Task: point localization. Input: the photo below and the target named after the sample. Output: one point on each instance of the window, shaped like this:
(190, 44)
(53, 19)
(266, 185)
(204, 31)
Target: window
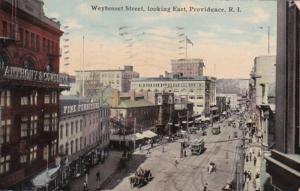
(24, 100)
(53, 97)
(54, 122)
(24, 126)
(5, 131)
(72, 145)
(67, 129)
(4, 164)
(80, 125)
(33, 125)
(72, 124)
(53, 148)
(5, 98)
(33, 98)
(44, 43)
(48, 46)
(67, 148)
(33, 151)
(76, 126)
(37, 42)
(76, 145)
(46, 122)
(32, 45)
(26, 38)
(61, 131)
(46, 153)
(4, 32)
(23, 159)
(29, 64)
(47, 99)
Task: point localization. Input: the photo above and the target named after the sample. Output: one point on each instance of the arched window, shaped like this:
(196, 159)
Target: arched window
(29, 64)
(3, 61)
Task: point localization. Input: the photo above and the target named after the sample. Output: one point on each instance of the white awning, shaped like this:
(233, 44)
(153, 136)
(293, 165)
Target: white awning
(297, 4)
(130, 137)
(149, 134)
(183, 122)
(45, 177)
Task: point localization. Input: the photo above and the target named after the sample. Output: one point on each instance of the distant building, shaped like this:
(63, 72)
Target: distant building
(96, 81)
(187, 67)
(231, 100)
(201, 90)
(134, 113)
(284, 160)
(233, 86)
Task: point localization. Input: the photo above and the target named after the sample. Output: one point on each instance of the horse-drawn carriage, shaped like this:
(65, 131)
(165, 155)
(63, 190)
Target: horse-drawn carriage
(140, 178)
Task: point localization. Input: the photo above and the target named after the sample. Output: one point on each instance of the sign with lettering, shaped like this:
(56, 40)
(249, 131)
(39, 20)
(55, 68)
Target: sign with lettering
(17, 73)
(80, 107)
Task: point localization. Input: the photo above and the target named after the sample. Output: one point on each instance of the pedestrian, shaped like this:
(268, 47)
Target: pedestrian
(140, 146)
(249, 175)
(184, 153)
(245, 175)
(85, 187)
(258, 154)
(176, 163)
(250, 156)
(254, 160)
(205, 187)
(247, 158)
(98, 176)
(148, 151)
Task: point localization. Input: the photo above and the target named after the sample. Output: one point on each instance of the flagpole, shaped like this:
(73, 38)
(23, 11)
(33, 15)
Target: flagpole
(186, 47)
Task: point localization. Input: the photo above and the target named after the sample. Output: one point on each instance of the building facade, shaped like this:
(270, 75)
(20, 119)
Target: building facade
(187, 67)
(284, 160)
(83, 126)
(30, 85)
(233, 86)
(201, 91)
(94, 82)
(134, 112)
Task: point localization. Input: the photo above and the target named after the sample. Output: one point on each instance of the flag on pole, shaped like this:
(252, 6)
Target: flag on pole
(189, 41)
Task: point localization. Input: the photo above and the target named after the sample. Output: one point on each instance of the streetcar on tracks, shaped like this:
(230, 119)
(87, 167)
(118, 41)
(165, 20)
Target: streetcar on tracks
(216, 130)
(197, 146)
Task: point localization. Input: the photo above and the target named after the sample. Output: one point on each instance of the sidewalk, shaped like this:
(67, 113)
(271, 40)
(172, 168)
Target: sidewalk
(254, 148)
(106, 170)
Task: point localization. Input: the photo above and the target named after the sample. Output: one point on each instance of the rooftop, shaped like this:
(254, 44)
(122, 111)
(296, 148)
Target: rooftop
(198, 78)
(134, 104)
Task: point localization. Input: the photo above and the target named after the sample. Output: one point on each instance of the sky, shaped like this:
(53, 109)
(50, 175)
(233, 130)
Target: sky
(228, 42)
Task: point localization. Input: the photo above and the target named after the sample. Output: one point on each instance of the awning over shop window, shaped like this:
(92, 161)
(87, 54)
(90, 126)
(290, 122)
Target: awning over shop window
(149, 134)
(45, 177)
(297, 4)
(131, 137)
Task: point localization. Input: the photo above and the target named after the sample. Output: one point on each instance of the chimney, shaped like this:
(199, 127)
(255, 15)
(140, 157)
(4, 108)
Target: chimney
(132, 95)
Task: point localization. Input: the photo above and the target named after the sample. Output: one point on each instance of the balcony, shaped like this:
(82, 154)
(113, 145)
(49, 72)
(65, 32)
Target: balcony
(23, 77)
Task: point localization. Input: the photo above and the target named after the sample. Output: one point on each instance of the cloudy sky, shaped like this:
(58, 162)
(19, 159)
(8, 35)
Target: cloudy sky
(227, 42)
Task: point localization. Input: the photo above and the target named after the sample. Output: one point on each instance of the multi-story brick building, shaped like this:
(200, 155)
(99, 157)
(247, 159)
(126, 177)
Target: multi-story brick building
(30, 84)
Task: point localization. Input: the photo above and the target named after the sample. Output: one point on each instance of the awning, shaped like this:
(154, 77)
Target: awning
(45, 177)
(224, 113)
(149, 134)
(297, 4)
(214, 108)
(198, 119)
(131, 137)
(183, 122)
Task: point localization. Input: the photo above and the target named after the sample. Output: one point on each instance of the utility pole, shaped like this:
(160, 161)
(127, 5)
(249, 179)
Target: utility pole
(134, 130)
(83, 92)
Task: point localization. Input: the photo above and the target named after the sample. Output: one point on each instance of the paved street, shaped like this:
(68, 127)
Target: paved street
(191, 172)
(106, 170)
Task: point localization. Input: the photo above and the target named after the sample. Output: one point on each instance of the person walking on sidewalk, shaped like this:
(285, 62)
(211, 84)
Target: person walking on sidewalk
(250, 156)
(98, 176)
(205, 187)
(254, 160)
